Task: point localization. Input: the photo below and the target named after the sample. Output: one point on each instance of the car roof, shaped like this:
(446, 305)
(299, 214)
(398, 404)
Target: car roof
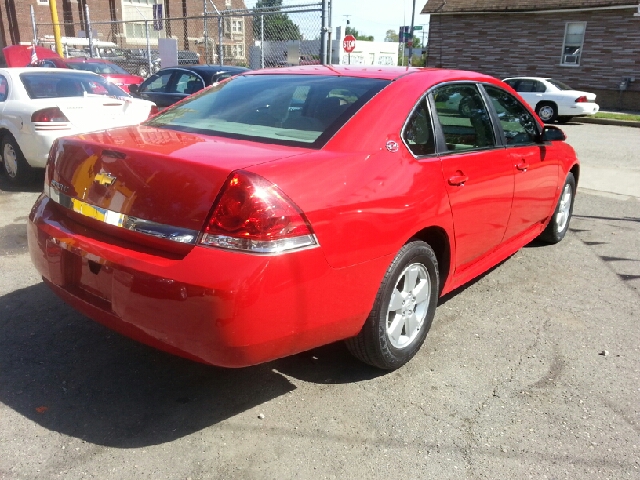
(86, 60)
(380, 72)
(13, 71)
(207, 69)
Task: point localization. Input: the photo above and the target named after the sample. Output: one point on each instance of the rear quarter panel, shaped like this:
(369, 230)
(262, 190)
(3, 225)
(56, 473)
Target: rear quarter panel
(362, 200)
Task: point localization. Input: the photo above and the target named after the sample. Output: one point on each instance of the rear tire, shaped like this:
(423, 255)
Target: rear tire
(547, 111)
(14, 165)
(559, 223)
(403, 310)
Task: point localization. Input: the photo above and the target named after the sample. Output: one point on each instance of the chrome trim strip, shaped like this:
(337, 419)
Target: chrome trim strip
(120, 220)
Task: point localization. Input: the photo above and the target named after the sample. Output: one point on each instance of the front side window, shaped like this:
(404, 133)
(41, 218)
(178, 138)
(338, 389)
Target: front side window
(188, 83)
(303, 110)
(573, 41)
(418, 134)
(519, 126)
(464, 118)
(157, 83)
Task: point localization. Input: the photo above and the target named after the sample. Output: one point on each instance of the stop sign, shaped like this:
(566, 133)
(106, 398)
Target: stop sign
(349, 43)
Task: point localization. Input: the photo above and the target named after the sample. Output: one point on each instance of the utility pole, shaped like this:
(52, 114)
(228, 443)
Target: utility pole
(56, 27)
(413, 15)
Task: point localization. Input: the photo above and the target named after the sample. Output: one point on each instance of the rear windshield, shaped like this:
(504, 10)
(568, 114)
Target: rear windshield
(99, 68)
(558, 84)
(56, 85)
(303, 110)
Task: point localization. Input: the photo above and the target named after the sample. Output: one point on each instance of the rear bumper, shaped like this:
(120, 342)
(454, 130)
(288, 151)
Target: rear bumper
(578, 110)
(214, 306)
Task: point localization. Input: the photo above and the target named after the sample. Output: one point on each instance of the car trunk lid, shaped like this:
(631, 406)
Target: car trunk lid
(157, 182)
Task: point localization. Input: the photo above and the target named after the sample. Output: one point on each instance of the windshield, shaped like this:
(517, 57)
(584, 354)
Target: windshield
(99, 68)
(558, 84)
(304, 110)
(56, 85)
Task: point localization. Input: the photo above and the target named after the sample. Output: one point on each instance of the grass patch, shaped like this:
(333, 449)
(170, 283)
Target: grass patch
(618, 116)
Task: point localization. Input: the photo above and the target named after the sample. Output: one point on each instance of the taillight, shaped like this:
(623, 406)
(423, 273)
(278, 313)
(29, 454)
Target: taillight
(582, 99)
(253, 215)
(154, 110)
(51, 114)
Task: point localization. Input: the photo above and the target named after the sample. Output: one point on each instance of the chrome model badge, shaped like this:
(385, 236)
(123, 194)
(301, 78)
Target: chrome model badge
(104, 179)
(60, 187)
(392, 146)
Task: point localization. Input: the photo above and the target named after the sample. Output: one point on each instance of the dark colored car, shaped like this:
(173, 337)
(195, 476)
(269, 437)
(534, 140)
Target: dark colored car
(172, 84)
(136, 61)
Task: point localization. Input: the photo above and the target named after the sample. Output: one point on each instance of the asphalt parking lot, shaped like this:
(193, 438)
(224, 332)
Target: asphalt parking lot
(530, 371)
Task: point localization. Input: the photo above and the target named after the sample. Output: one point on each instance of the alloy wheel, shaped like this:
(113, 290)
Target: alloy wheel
(408, 305)
(564, 209)
(10, 159)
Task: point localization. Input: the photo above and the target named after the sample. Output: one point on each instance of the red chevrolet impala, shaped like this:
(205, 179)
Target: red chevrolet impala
(286, 209)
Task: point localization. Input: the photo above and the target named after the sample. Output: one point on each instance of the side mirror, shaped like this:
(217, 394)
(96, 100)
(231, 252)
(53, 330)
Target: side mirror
(551, 133)
(133, 89)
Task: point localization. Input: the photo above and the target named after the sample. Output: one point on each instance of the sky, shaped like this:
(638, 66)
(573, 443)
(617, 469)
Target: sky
(370, 17)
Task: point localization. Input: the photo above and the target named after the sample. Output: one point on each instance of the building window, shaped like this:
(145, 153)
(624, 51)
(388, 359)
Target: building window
(234, 26)
(43, 2)
(573, 41)
(227, 3)
(234, 51)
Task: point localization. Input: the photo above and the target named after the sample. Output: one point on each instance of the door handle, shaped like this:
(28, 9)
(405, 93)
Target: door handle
(458, 180)
(522, 166)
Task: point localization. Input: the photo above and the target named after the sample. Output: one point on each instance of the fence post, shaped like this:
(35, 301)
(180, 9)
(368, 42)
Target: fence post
(146, 28)
(206, 34)
(323, 34)
(262, 40)
(220, 48)
(89, 33)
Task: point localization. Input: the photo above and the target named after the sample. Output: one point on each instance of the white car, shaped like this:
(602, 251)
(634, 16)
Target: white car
(38, 105)
(552, 99)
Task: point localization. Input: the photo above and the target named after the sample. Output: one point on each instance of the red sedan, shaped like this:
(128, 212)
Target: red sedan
(286, 209)
(112, 72)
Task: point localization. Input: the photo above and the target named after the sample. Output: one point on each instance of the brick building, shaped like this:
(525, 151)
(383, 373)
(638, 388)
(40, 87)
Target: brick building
(122, 22)
(592, 45)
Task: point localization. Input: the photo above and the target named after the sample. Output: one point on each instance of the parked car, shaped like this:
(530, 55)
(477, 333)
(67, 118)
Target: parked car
(38, 105)
(136, 61)
(553, 100)
(112, 72)
(170, 85)
(273, 229)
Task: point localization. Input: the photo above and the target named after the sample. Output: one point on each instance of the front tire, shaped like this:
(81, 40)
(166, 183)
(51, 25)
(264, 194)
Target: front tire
(547, 111)
(559, 223)
(14, 165)
(403, 310)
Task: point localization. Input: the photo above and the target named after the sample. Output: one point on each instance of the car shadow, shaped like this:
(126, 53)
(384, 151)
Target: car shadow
(71, 375)
(34, 183)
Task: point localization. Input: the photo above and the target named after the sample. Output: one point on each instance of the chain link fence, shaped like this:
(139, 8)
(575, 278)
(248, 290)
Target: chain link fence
(254, 38)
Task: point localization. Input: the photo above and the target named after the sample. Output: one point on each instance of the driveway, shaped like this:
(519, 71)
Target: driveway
(530, 371)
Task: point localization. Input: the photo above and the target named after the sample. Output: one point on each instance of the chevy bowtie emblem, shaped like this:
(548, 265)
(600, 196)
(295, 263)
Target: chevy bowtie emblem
(104, 179)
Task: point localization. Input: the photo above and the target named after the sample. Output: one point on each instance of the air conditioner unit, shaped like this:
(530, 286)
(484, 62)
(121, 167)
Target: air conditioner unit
(571, 59)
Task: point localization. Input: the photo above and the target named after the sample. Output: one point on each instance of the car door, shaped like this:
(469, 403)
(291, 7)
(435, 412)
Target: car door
(536, 169)
(530, 90)
(477, 171)
(157, 89)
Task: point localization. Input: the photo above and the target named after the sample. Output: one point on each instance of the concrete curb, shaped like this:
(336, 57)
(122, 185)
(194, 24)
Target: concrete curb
(608, 121)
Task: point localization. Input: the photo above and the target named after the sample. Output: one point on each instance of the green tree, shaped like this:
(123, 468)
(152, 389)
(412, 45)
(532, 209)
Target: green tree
(391, 36)
(277, 26)
(354, 32)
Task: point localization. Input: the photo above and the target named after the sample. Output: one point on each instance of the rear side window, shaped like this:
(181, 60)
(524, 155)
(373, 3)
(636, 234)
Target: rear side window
(418, 134)
(463, 117)
(303, 110)
(4, 89)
